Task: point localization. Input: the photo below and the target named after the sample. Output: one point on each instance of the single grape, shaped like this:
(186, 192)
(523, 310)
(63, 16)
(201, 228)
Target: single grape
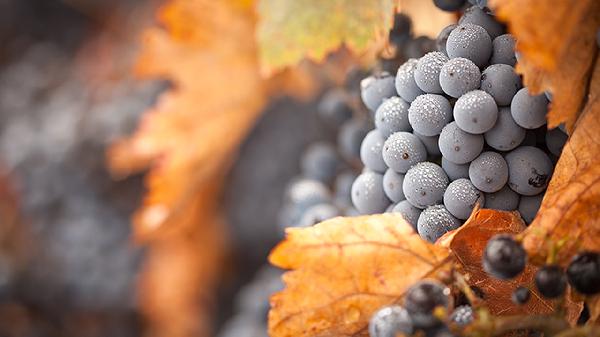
(334, 107)
(455, 171)
(471, 42)
(424, 184)
(529, 170)
(405, 83)
(555, 141)
(392, 116)
(422, 298)
(480, 17)
(318, 213)
(307, 192)
(431, 144)
(503, 257)
(459, 76)
(427, 72)
(390, 322)
(350, 138)
(440, 42)
(449, 5)
(343, 188)
(529, 206)
(529, 111)
(462, 315)
(475, 112)
(368, 195)
(370, 151)
(504, 200)
(489, 172)
(458, 146)
(321, 162)
(402, 150)
(409, 212)
(502, 82)
(429, 113)
(506, 134)
(521, 295)
(584, 273)
(503, 50)
(551, 281)
(461, 197)
(392, 185)
(436, 221)
(374, 89)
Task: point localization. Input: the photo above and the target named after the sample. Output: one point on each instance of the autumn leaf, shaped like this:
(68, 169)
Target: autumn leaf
(343, 270)
(556, 40)
(593, 304)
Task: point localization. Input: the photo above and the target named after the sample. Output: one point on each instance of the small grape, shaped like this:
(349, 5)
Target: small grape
(529, 206)
(402, 150)
(374, 89)
(392, 185)
(506, 134)
(501, 81)
(462, 315)
(551, 281)
(429, 113)
(479, 17)
(555, 141)
(529, 111)
(371, 151)
(436, 221)
(449, 5)
(307, 192)
(409, 212)
(461, 197)
(405, 83)
(521, 295)
(471, 42)
(424, 184)
(440, 42)
(489, 172)
(422, 298)
(427, 72)
(503, 257)
(503, 50)
(368, 195)
(584, 273)
(529, 170)
(476, 112)
(318, 213)
(350, 138)
(392, 116)
(431, 144)
(390, 322)
(504, 200)
(458, 146)
(455, 171)
(321, 162)
(334, 107)
(459, 76)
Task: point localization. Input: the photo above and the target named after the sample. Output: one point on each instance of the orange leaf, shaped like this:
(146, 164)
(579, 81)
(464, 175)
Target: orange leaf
(344, 269)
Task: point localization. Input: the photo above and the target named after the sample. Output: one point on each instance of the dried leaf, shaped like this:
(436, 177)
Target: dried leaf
(343, 270)
(569, 217)
(556, 40)
(593, 304)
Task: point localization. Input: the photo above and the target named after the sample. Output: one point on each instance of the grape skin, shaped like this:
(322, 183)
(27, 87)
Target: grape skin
(505, 200)
(529, 111)
(371, 151)
(431, 144)
(449, 5)
(529, 206)
(427, 72)
(376, 88)
(458, 146)
(320, 161)
(350, 138)
(455, 171)
(530, 170)
(436, 221)
(405, 83)
(461, 197)
(392, 116)
(402, 150)
(459, 76)
(489, 172)
(368, 195)
(442, 37)
(334, 107)
(429, 113)
(476, 112)
(506, 133)
(503, 50)
(502, 82)
(479, 17)
(408, 211)
(392, 185)
(318, 213)
(424, 184)
(390, 322)
(471, 42)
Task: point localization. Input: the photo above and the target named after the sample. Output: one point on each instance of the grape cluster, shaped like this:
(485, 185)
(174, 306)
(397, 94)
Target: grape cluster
(456, 128)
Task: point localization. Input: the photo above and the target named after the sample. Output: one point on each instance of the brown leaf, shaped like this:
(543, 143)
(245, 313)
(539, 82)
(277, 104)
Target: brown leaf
(569, 217)
(343, 270)
(593, 304)
(557, 43)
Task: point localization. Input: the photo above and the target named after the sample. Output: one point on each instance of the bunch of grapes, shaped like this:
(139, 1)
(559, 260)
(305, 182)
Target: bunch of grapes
(454, 129)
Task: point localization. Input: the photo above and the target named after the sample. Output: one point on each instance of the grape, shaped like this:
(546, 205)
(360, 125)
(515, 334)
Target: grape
(521, 295)
(503, 50)
(343, 188)
(402, 150)
(370, 151)
(479, 17)
(458, 146)
(392, 185)
(504, 200)
(476, 112)
(459, 76)
(506, 133)
(529, 111)
(409, 212)
(440, 42)
(307, 192)
(400, 33)
(334, 107)
(392, 116)
(461, 197)
(421, 300)
(429, 113)
(584, 273)
(500, 81)
(424, 184)
(350, 138)
(374, 89)
(455, 171)
(320, 161)
(551, 282)
(390, 322)
(431, 144)
(367, 193)
(529, 206)
(318, 213)
(489, 172)
(529, 170)
(555, 141)
(427, 72)
(449, 5)
(406, 86)
(503, 257)
(436, 221)
(462, 315)
(471, 42)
